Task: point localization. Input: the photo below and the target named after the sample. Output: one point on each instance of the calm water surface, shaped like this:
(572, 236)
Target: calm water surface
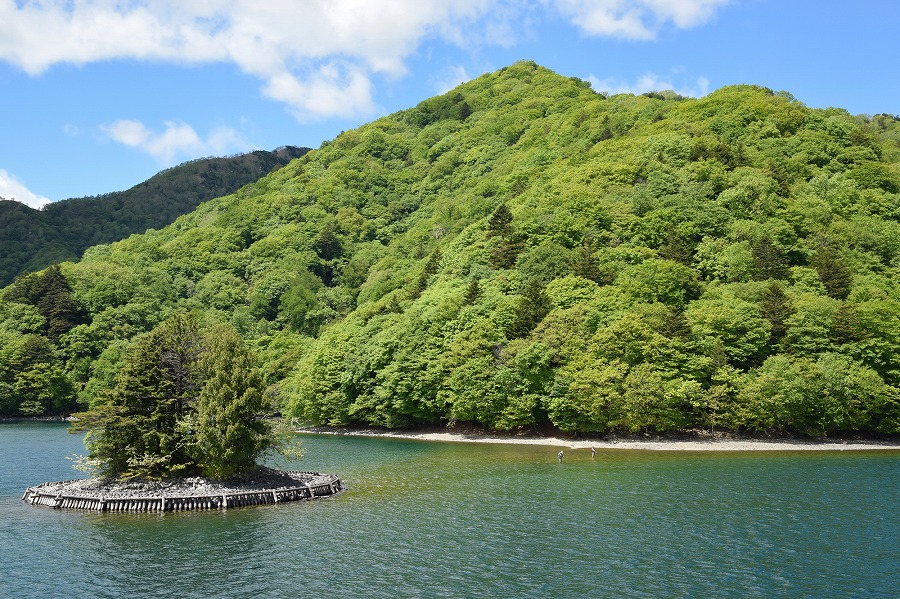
(424, 519)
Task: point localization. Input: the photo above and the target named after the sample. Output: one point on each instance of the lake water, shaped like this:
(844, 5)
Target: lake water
(425, 519)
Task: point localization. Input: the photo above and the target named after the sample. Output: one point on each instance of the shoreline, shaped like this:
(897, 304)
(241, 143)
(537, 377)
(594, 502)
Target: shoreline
(260, 486)
(697, 444)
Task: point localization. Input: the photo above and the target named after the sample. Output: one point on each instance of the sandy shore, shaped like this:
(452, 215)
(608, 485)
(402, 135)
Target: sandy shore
(717, 444)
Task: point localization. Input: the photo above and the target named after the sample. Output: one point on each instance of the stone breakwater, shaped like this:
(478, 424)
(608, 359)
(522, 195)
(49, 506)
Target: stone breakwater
(259, 487)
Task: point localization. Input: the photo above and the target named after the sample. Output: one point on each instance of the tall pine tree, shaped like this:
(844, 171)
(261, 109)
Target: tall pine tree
(185, 402)
(229, 433)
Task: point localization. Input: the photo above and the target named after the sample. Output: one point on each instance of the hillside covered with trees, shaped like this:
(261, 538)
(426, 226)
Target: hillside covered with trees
(31, 240)
(525, 252)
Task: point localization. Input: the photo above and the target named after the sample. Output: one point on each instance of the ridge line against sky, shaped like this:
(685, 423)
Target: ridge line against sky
(99, 94)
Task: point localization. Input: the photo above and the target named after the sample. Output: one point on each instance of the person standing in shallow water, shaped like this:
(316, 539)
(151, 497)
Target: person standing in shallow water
(559, 456)
(593, 452)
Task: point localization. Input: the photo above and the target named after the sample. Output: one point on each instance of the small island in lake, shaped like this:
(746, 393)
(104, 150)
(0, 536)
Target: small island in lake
(181, 428)
(258, 487)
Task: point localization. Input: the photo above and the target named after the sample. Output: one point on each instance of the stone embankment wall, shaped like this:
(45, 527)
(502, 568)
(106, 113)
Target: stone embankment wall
(324, 486)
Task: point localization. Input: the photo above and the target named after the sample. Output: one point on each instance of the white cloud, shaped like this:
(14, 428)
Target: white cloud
(448, 79)
(648, 83)
(317, 57)
(177, 140)
(130, 133)
(13, 189)
(332, 90)
(635, 19)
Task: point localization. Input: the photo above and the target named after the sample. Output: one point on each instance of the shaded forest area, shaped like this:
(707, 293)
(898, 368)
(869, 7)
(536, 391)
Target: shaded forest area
(31, 240)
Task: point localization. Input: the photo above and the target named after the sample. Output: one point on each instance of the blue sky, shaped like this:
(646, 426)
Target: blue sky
(98, 95)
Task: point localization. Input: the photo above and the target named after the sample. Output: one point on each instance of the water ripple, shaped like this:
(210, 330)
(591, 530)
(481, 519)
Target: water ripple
(451, 520)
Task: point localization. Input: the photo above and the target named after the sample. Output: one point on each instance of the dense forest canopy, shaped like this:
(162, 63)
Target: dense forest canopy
(524, 252)
(32, 239)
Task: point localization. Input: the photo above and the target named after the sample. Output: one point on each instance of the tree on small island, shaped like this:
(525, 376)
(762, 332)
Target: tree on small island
(187, 401)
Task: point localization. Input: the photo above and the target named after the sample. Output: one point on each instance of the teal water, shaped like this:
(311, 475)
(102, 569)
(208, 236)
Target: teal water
(428, 519)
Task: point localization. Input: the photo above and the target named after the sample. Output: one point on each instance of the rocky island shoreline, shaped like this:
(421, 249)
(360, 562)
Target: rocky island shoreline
(262, 485)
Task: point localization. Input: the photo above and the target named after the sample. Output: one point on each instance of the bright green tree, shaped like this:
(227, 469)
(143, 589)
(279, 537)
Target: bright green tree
(228, 432)
(299, 303)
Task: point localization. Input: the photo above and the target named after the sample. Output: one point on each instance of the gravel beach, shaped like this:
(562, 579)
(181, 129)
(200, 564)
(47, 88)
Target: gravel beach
(694, 444)
(261, 479)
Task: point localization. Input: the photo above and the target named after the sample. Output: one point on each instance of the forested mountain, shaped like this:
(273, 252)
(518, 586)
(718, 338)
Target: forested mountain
(524, 252)
(34, 239)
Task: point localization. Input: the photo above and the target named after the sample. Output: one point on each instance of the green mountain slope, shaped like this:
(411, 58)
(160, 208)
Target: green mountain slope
(525, 252)
(33, 239)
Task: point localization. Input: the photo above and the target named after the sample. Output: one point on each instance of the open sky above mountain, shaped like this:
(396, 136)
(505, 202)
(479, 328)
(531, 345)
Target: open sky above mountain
(99, 94)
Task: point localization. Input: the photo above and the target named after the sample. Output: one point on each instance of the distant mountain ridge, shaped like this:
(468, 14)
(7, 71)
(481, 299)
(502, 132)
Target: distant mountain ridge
(33, 239)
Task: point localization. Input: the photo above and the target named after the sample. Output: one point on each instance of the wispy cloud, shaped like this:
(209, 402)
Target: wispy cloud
(636, 19)
(334, 89)
(648, 83)
(319, 58)
(174, 141)
(449, 78)
(13, 189)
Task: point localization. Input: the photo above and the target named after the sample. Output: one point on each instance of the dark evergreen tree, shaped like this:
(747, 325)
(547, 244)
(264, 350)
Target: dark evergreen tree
(509, 245)
(327, 244)
(500, 221)
(57, 304)
(676, 325)
(775, 306)
(585, 265)
(833, 271)
(846, 326)
(677, 248)
(183, 403)
(533, 305)
(505, 253)
(473, 292)
(50, 293)
(430, 269)
(463, 111)
(133, 428)
(768, 259)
